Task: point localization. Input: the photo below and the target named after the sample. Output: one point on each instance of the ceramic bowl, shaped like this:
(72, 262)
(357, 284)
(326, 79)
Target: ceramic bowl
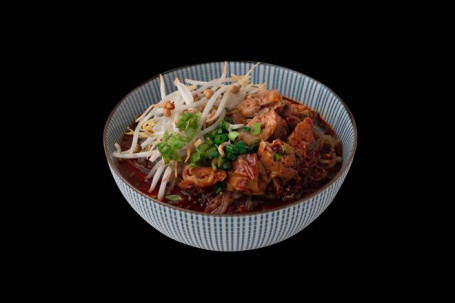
(240, 231)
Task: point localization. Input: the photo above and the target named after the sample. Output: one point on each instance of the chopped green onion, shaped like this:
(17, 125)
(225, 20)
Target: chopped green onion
(172, 143)
(226, 166)
(212, 152)
(220, 161)
(188, 122)
(240, 147)
(214, 162)
(232, 135)
(232, 157)
(195, 157)
(256, 129)
(230, 148)
(219, 186)
(205, 151)
(276, 157)
(173, 197)
(228, 120)
(219, 138)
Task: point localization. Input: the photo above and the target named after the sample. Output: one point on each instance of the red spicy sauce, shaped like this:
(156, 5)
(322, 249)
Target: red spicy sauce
(135, 172)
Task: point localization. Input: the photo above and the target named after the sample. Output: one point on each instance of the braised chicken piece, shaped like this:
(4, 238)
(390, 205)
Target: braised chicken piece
(293, 113)
(272, 125)
(248, 138)
(301, 111)
(266, 99)
(302, 138)
(238, 117)
(279, 159)
(201, 177)
(284, 110)
(292, 121)
(248, 176)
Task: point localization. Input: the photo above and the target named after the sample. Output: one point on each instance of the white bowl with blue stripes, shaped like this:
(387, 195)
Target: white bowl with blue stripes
(240, 231)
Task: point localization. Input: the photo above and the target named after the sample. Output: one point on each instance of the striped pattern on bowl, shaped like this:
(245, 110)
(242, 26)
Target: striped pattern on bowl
(242, 231)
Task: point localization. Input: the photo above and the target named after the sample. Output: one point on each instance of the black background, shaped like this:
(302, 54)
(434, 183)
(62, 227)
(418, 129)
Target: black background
(344, 229)
(104, 230)
(81, 61)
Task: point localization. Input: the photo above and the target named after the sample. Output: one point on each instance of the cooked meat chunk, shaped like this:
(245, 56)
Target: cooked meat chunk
(272, 125)
(278, 158)
(302, 138)
(248, 176)
(201, 177)
(301, 111)
(292, 121)
(238, 117)
(248, 138)
(284, 110)
(304, 131)
(252, 104)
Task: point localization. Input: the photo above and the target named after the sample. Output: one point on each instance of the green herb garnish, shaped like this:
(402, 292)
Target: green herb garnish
(226, 166)
(214, 163)
(219, 138)
(171, 144)
(219, 187)
(240, 147)
(256, 129)
(188, 122)
(232, 135)
(206, 154)
(173, 197)
(204, 151)
(276, 157)
(246, 129)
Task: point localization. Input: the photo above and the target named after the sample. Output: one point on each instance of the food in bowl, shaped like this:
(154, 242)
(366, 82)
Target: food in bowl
(228, 146)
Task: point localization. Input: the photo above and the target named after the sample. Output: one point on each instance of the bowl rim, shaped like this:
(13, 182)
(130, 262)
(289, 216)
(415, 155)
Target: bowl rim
(303, 200)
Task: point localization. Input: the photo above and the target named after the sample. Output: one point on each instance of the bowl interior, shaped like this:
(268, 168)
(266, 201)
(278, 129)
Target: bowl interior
(290, 83)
